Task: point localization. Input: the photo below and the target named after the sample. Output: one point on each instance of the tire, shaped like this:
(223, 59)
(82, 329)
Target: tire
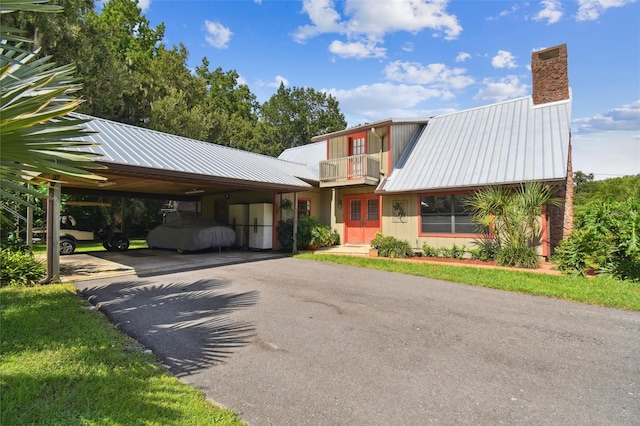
(120, 244)
(180, 251)
(108, 245)
(67, 246)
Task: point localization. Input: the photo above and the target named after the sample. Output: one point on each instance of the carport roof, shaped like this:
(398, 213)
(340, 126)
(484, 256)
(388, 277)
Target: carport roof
(147, 161)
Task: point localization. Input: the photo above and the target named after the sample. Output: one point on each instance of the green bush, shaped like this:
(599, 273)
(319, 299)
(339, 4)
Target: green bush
(310, 232)
(391, 247)
(20, 268)
(518, 257)
(606, 238)
(430, 251)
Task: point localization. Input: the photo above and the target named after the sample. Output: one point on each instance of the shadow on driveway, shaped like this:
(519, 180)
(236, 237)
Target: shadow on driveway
(151, 262)
(190, 321)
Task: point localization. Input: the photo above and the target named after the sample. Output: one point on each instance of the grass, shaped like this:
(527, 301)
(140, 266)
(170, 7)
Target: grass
(64, 364)
(92, 246)
(603, 291)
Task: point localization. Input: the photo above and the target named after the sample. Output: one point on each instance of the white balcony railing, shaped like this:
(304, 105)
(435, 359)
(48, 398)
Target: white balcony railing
(360, 168)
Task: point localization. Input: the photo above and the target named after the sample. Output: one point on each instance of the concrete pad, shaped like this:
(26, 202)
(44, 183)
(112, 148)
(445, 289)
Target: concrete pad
(149, 262)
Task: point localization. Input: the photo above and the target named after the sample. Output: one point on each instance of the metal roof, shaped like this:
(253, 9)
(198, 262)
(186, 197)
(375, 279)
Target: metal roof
(310, 155)
(125, 145)
(508, 142)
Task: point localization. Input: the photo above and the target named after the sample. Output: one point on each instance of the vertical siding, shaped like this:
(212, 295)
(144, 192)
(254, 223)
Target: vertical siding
(337, 147)
(400, 137)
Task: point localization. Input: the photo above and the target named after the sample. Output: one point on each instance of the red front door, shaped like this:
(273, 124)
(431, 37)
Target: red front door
(362, 218)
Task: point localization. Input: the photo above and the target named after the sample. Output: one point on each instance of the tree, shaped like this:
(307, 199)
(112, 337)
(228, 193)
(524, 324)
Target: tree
(298, 114)
(513, 216)
(613, 189)
(38, 136)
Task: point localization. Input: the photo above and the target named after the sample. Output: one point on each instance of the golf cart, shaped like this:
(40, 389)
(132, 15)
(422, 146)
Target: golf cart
(112, 239)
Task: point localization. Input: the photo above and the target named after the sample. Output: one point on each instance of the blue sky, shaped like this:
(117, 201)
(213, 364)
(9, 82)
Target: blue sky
(412, 58)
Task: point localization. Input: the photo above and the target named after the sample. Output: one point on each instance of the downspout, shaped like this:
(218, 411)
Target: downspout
(53, 233)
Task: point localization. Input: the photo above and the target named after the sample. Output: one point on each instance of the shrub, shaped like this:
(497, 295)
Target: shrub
(310, 232)
(429, 251)
(391, 247)
(519, 257)
(20, 268)
(606, 238)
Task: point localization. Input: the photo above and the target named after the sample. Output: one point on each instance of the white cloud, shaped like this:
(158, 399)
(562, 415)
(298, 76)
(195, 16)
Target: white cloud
(324, 17)
(590, 10)
(503, 89)
(407, 47)
(625, 118)
(144, 4)
(504, 59)
(462, 56)
(371, 21)
(551, 11)
(438, 75)
(383, 100)
(504, 13)
(277, 81)
(357, 50)
(218, 35)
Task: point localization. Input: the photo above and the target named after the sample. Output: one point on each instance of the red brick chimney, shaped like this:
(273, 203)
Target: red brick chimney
(550, 75)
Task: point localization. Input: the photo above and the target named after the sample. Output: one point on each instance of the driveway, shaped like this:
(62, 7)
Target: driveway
(296, 342)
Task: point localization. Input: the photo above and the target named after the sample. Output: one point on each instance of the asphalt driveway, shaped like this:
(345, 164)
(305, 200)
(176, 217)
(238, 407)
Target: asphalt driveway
(296, 342)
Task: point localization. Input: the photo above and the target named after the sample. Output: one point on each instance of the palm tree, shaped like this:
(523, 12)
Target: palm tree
(512, 215)
(40, 141)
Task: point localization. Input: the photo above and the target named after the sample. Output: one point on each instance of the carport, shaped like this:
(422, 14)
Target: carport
(143, 163)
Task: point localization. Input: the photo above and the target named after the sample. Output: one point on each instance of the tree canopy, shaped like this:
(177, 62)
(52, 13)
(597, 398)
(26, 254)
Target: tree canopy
(129, 75)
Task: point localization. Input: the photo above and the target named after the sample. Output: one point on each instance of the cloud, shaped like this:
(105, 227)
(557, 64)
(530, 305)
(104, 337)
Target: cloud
(501, 90)
(369, 22)
(277, 81)
(369, 103)
(551, 11)
(462, 56)
(218, 35)
(357, 50)
(504, 59)
(504, 13)
(144, 5)
(437, 75)
(590, 10)
(625, 118)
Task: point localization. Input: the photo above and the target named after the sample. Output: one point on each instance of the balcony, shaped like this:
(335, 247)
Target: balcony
(359, 169)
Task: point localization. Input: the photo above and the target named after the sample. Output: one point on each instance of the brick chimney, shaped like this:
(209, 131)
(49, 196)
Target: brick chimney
(550, 75)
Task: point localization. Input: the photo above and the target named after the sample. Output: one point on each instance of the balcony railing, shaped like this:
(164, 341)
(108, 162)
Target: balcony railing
(353, 170)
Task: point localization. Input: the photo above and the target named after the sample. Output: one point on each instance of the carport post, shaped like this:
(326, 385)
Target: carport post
(53, 233)
(294, 250)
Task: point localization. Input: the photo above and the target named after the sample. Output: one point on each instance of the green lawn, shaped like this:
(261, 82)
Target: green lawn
(64, 364)
(135, 243)
(602, 291)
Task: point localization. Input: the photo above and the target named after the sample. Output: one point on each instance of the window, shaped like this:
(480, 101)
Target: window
(354, 210)
(372, 209)
(304, 207)
(445, 214)
(357, 147)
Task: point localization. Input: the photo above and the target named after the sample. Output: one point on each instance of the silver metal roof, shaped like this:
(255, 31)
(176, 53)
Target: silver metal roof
(310, 155)
(508, 142)
(124, 144)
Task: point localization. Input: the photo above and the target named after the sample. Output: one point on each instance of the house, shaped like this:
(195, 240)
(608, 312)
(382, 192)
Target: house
(408, 178)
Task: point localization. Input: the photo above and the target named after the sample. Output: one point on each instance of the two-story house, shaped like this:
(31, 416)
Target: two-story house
(408, 178)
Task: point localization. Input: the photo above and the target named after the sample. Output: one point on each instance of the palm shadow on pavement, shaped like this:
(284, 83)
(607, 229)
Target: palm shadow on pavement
(188, 325)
